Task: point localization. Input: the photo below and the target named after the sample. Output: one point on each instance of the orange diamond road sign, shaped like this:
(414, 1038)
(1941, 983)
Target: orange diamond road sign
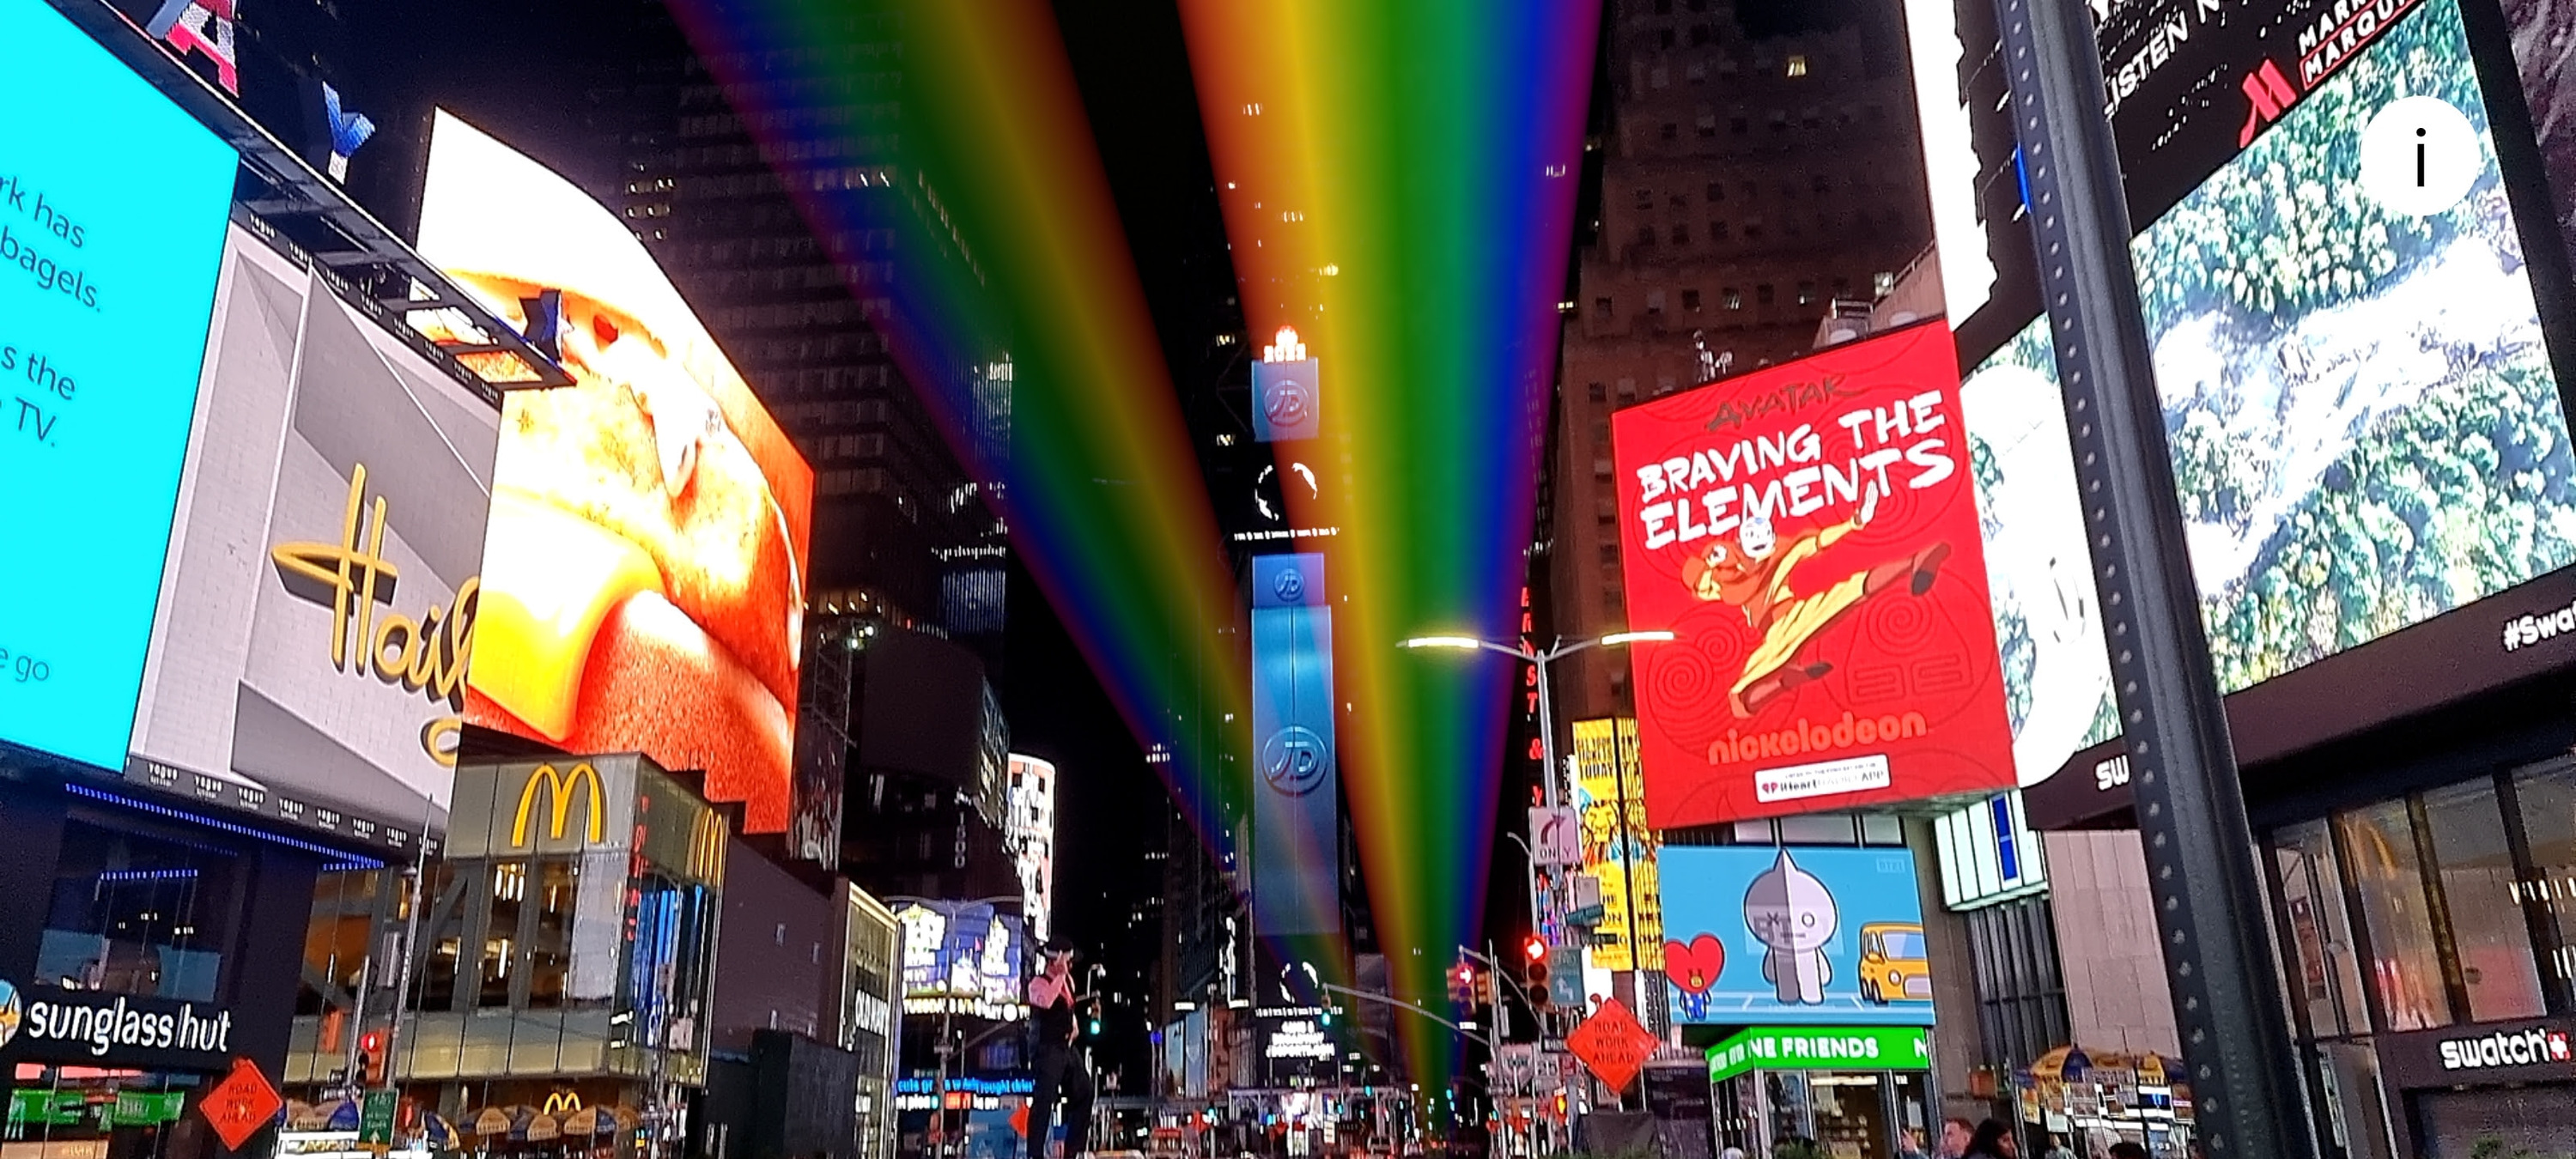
(1613, 1044)
(241, 1104)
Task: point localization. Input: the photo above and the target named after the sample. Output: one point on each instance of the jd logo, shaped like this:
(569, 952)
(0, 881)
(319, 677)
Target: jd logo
(559, 790)
(427, 655)
(1293, 759)
(1285, 403)
(1289, 584)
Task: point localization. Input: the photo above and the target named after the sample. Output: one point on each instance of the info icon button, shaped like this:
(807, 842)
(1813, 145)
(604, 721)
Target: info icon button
(2420, 156)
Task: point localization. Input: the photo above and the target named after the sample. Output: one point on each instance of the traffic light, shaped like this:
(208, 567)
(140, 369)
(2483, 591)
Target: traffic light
(371, 1055)
(1535, 976)
(1534, 948)
(1462, 983)
(1485, 988)
(1095, 1028)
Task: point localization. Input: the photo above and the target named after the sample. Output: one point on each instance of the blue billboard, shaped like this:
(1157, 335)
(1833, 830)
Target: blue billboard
(113, 204)
(1770, 935)
(1296, 867)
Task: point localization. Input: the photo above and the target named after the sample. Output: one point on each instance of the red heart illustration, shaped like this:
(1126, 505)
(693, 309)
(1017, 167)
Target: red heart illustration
(1695, 967)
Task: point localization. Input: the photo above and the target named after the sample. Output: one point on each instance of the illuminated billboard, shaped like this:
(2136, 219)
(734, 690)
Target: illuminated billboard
(1810, 533)
(1795, 936)
(962, 958)
(643, 581)
(112, 211)
(1619, 847)
(2367, 437)
(318, 607)
(1296, 876)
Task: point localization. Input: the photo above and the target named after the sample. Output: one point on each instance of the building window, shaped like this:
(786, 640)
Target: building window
(2546, 798)
(1690, 301)
(1717, 231)
(1739, 124)
(1627, 390)
(1645, 198)
(1681, 233)
(2474, 867)
(1762, 294)
(1883, 283)
(1645, 235)
(1654, 301)
(1601, 308)
(1717, 191)
(1806, 293)
(1708, 124)
(2388, 875)
(1797, 65)
(1670, 131)
(2328, 965)
(1734, 298)
(1597, 392)
(1609, 553)
(1664, 38)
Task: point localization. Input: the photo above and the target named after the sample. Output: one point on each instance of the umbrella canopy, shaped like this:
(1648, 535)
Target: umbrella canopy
(437, 1131)
(590, 1121)
(502, 1122)
(542, 1128)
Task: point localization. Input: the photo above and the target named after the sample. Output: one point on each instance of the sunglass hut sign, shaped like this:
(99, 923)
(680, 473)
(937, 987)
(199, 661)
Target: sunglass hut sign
(52, 1023)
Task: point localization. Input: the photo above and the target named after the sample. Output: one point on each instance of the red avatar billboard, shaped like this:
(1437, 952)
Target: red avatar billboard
(1810, 534)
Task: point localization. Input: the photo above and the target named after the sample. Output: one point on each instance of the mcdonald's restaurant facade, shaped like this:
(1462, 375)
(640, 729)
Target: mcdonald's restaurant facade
(561, 984)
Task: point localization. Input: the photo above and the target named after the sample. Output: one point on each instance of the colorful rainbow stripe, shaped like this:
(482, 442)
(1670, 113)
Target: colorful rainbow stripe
(1400, 181)
(1399, 184)
(958, 128)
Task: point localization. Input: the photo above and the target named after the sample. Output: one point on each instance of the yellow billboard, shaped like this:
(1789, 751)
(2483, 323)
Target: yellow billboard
(1607, 783)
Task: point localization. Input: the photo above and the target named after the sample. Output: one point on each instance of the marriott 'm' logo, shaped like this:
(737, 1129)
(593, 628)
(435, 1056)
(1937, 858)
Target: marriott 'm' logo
(427, 655)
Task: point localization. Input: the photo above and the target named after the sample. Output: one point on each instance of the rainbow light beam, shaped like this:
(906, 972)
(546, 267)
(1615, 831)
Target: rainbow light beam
(1399, 179)
(1014, 309)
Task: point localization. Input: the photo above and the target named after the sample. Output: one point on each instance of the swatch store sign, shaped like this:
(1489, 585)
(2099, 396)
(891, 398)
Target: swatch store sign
(51, 1024)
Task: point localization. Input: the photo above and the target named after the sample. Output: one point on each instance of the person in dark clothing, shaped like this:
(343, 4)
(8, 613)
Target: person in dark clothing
(1052, 1009)
(1993, 1140)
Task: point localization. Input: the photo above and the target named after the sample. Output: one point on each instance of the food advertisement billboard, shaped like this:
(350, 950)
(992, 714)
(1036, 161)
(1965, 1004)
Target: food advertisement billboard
(318, 604)
(1618, 846)
(112, 211)
(1810, 534)
(643, 582)
(1760, 934)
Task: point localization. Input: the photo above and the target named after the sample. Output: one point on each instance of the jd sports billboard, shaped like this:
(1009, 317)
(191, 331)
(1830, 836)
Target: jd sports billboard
(1296, 885)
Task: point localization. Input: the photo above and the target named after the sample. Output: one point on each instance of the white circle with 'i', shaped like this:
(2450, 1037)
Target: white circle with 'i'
(2419, 156)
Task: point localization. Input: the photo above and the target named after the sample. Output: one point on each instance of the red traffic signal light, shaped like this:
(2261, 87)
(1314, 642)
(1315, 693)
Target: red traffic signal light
(371, 1056)
(1462, 983)
(1534, 948)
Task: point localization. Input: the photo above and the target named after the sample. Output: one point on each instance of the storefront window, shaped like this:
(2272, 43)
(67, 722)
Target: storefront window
(2546, 797)
(2487, 927)
(135, 915)
(2406, 961)
(2328, 980)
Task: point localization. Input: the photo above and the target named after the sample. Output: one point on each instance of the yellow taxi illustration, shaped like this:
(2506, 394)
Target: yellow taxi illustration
(1893, 967)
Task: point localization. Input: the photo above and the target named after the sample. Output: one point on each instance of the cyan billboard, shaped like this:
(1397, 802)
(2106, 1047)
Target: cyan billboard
(1759, 934)
(1296, 887)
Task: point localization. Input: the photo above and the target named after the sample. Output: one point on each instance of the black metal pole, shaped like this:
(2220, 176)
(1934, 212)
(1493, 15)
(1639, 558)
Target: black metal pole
(2201, 865)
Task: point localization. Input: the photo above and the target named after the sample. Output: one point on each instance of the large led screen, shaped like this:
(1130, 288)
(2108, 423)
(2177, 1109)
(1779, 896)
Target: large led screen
(2366, 429)
(1810, 534)
(112, 211)
(2365, 426)
(319, 606)
(1797, 935)
(643, 584)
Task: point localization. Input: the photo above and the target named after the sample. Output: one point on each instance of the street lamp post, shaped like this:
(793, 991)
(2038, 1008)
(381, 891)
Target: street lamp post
(1546, 712)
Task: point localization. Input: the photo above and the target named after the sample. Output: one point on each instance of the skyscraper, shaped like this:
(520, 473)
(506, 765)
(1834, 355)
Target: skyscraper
(902, 529)
(1761, 172)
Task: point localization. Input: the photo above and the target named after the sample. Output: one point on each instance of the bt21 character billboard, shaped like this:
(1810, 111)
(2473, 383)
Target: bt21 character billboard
(1770, 935)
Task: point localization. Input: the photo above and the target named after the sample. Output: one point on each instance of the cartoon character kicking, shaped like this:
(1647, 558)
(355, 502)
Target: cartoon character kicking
(1756, 575)
(1790, 911)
